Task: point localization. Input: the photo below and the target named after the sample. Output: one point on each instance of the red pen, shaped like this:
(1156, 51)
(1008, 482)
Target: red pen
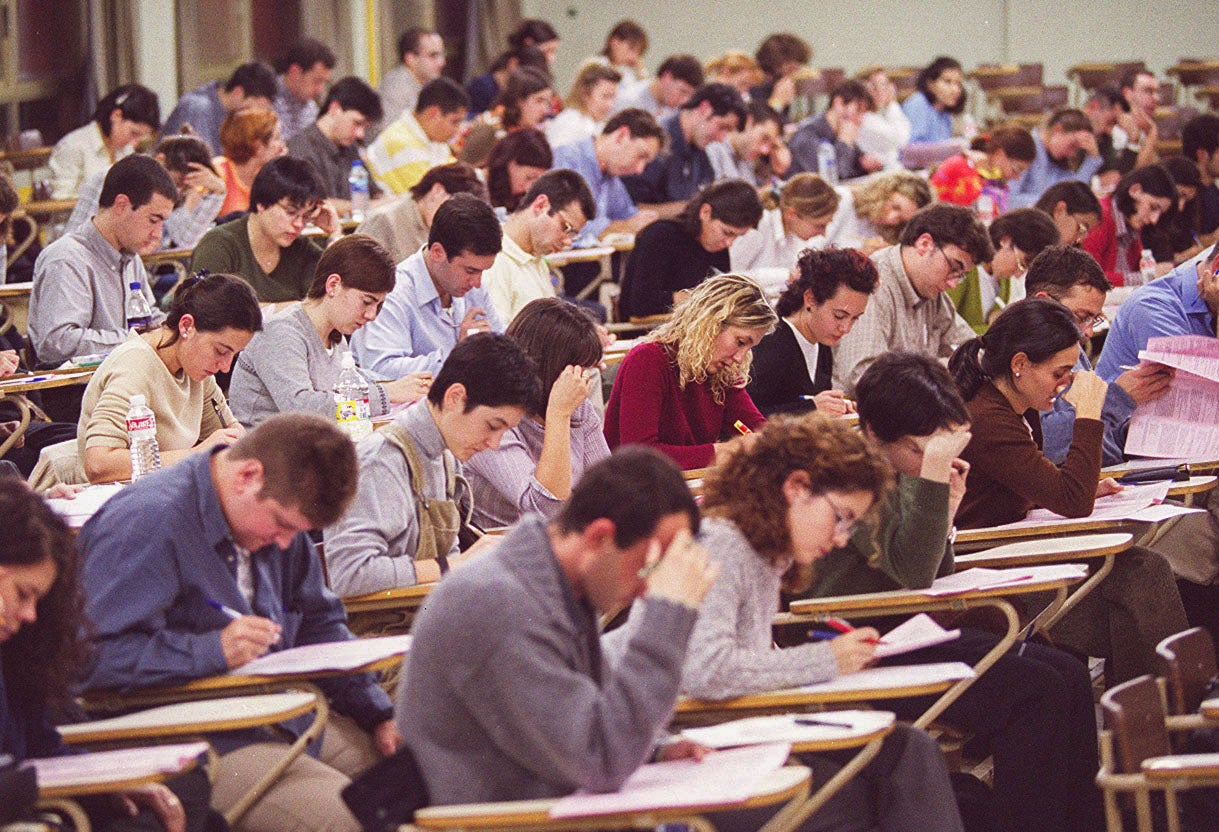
(843, 627)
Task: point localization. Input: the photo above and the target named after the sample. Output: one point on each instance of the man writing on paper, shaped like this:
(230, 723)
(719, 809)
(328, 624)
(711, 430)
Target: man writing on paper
(512, 699)
(202, 567)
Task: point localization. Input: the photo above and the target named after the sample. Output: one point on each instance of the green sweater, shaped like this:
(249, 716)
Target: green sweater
(226, 249)
(906, 546)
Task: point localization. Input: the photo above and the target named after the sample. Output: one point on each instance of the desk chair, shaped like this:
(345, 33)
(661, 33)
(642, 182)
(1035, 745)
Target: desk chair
(1187, 665)
(1137, 758)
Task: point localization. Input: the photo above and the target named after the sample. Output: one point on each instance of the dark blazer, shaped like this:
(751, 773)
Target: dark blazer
(779, 376)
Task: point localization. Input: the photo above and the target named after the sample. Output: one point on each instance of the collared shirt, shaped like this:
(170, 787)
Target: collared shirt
(610, 195)
(897, 318)
(570, 126)
(202, 110)
(515, 278)
(728, 165)
(414, 333)
(77, 156)
(677, 175)
(400, 156)
(183, 228)
(767, 253)
(372, 547)
(1027, 188)
(398, 226)
(332, 161)
(399, 92)
(78, 305)
(294, 115)
(1170, 305)
(927, 124)
(159, 551)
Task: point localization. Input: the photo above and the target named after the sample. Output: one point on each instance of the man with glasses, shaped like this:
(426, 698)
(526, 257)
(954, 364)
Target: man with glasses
(909, 309)
(553, 212)
(1018, 236)
(267, 246)
(1072, 277)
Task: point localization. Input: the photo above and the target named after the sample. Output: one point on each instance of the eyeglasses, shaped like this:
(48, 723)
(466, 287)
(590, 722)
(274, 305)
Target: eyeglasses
(304, 215)
(844, 523)
(569, 230)
(1087, 320)
(956, 269)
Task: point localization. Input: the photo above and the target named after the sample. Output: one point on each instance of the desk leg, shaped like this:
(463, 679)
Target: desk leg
(238, 809)
(1050, 616)
(791, 816)
(1002, 646)
(590, 290)
(70, 809)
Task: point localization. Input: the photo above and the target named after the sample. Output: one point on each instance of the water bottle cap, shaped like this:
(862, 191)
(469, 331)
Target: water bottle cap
(1146, 252)
(356, 163)
(349, 361)
(134, 286)
(138, 400)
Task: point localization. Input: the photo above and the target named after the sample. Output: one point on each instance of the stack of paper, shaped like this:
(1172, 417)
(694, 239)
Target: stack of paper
(335, 656)
(792, 728)
(720, 778)
(77, 510)
(890, 678)
(914, 634)
(100, 767)
(1181, 423)
(972, 580)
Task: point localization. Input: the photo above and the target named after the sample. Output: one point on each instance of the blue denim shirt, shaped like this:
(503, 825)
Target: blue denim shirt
(159, 550)
(1027, 188)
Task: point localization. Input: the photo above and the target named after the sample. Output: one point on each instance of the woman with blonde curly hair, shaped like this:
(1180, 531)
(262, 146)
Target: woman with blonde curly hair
(771, 507)
(872, 215)
(682, 391)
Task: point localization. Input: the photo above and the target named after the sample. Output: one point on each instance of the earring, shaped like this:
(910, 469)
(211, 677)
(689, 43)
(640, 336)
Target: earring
(1017, 375)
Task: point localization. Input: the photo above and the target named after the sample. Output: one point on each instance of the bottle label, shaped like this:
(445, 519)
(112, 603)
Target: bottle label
(139, 424)
(351, 410)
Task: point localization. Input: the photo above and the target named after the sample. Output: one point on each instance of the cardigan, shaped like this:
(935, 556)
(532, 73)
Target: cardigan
(779, 375)
(649, 407)
(1008, 473)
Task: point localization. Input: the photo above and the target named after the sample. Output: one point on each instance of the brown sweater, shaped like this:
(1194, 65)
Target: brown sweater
(1009, 475)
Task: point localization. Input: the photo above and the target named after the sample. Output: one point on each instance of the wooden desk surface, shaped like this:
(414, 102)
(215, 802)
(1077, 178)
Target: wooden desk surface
(388, 599)
(1194, 485)
(229, 713)
(29, 382)
(46, 207)
(1210, 709)
(167, 255)
(798, 698)
(1048, 550)
(1084, 526)
(884, 603)
(16, 290)
(785, 784)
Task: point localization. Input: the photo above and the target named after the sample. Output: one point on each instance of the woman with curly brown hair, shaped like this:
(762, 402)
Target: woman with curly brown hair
(682, 391)
(41, 652)
(769, 508)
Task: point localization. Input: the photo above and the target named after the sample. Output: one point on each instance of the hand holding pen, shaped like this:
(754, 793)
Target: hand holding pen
(853, 648)
(246, 637)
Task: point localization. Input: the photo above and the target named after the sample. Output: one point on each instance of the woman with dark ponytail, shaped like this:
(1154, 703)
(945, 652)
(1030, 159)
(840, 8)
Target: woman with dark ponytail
(212, 319)
(1023, 362)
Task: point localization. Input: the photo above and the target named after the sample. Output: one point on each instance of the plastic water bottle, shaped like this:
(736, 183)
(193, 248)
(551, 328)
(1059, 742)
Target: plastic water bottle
(1147, 267)
(142, 438)
(984, 207)
(827, 163)
(358, 180)
(139, 315)
(351, 408)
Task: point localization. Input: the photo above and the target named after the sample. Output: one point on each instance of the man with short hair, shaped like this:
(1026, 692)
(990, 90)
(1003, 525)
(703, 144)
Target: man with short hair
(754, 153)
(1200, 144)
(437, 299)
(206, 565)
(304, 70)
(421, 52)
(514, 700)
(1139, 133)
(838, 125)
(332, 142)
(393, 535)
(81, 281)
(1072, 277)
(1066, 149)
(673, 178)
(909, 309)
(628, 142)
(205, 108)
(676, 80)
(419, 140)
(401, 225)
(552, 214)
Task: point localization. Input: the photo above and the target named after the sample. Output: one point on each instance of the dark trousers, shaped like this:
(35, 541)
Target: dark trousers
(1033, 712)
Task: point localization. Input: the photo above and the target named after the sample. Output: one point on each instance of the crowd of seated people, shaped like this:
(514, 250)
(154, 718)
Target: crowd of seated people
(790, 249)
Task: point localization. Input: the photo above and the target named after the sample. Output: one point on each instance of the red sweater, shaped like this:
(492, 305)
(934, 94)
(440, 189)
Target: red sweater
(1102, 243)
(647, 407)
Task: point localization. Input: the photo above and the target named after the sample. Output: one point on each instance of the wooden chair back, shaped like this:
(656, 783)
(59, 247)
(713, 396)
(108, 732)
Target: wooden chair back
(1134, 715)
(1187, 663)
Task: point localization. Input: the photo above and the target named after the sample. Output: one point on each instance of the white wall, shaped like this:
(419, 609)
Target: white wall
(156, 62)
(900, 32)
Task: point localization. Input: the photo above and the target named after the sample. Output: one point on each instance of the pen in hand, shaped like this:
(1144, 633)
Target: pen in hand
(219, 413)
(228, 612)
(829, 723)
